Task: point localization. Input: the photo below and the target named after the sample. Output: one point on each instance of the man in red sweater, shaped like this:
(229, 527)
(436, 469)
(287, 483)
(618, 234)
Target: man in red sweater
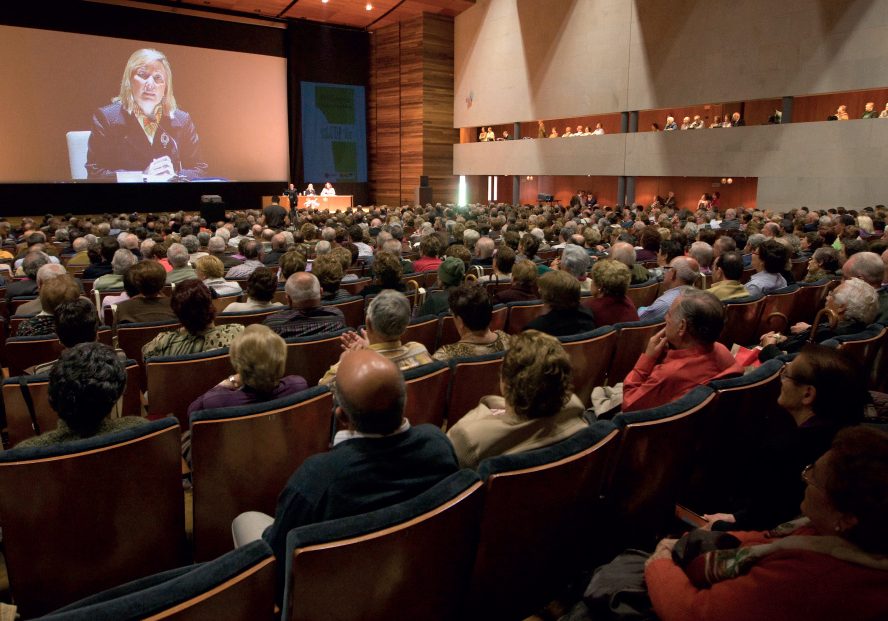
(682, 355)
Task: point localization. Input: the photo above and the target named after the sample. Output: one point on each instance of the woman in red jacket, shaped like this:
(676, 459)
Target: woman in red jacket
(830, 564)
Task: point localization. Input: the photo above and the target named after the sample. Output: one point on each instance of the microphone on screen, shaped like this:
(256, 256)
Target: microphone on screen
(165, 141)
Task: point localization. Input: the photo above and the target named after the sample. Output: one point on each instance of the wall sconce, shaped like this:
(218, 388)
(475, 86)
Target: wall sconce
(724, 181)
(730, 181)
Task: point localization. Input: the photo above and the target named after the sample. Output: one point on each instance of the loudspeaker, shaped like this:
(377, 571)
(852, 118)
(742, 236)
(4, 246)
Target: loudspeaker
(424, 181)
(423, 195)
(212, 209)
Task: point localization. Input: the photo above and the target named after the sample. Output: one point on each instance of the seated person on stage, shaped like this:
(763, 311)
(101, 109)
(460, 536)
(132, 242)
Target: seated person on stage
(261, 287)
(855, 304)
(387, 460)
(54, 292)
(681, 356)
(388, 315)
(193, 306)
(328, 190)
(123, 260)
(769, 259)
(823, 390)
(563, 316)
(84, 385)
(779, 574)
(609, 303)
(472, 313)
(259, 357)
(46, 272)
(451, 273)
(306, 316)
(726, 273)
(148, 279)
(502, 266)
(209, 270)
(681, 272)
(537, 409)
(524, 284)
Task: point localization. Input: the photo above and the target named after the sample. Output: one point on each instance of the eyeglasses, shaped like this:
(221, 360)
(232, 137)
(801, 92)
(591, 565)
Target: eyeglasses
(807, 479)
(784, 374)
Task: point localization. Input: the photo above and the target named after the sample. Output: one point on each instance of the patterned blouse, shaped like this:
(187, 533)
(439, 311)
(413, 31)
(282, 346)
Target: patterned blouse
(466, 350)
(38, 325)
(180, 342)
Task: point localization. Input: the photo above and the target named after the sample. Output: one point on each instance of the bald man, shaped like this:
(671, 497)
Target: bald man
(306, 316)
(682, 272)
(379, 460)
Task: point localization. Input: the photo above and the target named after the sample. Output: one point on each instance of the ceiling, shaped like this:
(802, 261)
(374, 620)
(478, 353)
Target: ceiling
(343, 12)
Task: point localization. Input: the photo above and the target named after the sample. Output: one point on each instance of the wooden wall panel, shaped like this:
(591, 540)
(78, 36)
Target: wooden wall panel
(411, 104)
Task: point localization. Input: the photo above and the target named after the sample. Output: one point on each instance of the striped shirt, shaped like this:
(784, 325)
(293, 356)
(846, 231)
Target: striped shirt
(306, 321)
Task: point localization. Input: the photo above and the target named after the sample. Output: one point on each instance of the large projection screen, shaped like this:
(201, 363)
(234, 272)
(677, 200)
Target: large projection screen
(56, 82)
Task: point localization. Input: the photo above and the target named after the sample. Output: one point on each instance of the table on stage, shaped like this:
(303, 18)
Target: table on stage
(325, 203)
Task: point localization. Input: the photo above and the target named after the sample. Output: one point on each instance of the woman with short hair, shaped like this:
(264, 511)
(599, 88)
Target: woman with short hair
(193, 305)
(537, 407)
(259, 358)
(261, 288)
(610, 303)
(211, 272)
(472, 313)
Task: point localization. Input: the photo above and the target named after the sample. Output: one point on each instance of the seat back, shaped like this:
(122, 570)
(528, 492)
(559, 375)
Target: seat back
(653, 460)
(799, 269)
(25, 420)
(530, 542)
(221, 303)
(645, 293)
(742, 321)
(521, 314)
(311, 356)
(864, 346)
(409, 561)
(427, 393)
(747, 411)
(23, 352)
(132, 337)
(777, 308)
(423, 330)
(242, 457)
(471, 379)
(84, 516)
(238, 586)
(632, 339)
(590, 357)
(78, 143)
(175, 381)
(353, 310)
(245, 318)
(809, 300)
(356, 286)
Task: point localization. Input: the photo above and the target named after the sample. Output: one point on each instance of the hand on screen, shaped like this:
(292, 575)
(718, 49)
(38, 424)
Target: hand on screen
(161, 166)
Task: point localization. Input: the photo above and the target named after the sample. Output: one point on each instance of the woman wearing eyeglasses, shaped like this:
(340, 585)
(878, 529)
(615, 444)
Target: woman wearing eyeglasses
(830, 564)
(822, 390)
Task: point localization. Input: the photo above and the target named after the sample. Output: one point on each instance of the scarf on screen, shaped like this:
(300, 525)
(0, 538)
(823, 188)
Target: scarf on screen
(149, 123)
(711, 567)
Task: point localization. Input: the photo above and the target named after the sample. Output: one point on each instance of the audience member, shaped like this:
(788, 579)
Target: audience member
(524, 284)
(681, 272)
(472, 313)
(681, 356)
(537, 409)
(209, 270)
(610, 303)
(387, 274)
(45, 273)
(123, 260)
(261, 289)
(53, 292)
(726, 275)
(178, 258)
(625, 253)
(258, 357)
(451, 272)
(252, 253)
(768, 260)
(305, 316)
(503, 262)
(563, 315)
(430, 249)
(148, 279)
(193, 306)
(31, 264)
(84, 384)
(822, 265)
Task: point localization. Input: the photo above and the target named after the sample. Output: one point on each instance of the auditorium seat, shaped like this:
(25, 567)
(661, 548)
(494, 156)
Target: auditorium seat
(521, 314)
(175, 381)
(742, 321)
(238, 586)
(245, 318)
(408, 561)
(222, 302)
(423, 329)
(312, 356)
(632, 339)
(776, 310)
(131, 337)
(427, 393)
(242, 457)
(653, 461)
(590, 357)
(865, 348)
(810, 299)
(353, 310)
(472, 378)
(644, 294)
(89, 515)
(541, 510)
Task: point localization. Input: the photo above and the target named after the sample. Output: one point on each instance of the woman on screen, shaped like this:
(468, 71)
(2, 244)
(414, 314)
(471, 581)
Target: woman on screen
(143, 129)
(328, 190)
